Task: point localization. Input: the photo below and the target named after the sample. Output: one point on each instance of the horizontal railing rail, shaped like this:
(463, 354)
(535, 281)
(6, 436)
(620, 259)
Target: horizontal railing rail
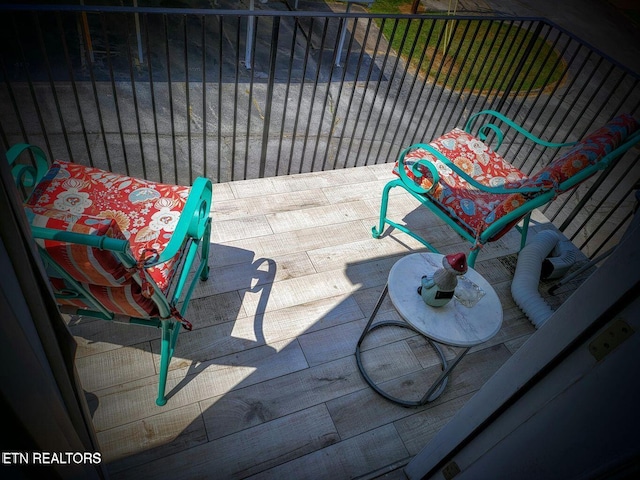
(171, 94)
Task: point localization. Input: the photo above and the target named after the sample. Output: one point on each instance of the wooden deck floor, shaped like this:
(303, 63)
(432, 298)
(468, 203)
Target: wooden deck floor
(266, 385)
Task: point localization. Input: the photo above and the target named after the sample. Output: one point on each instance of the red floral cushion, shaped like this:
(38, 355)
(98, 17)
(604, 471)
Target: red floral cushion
(587, 152)
(125, 300)
(146, 212)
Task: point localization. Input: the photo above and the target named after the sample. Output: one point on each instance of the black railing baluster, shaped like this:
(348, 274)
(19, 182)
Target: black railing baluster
(414, 79)
(461, 85)
(250, 64)
(300, 96)
(335, 58)
(220, 82)
(273, 51)
(521, 108)
(285, 102)
(390, 83)
(420, 132)
(114, 91)
(134, 98)
(54, 94)
(34, 97)
(336, 103)
(313, 95)
(5, 140)
(477, 96)
(165, 20)
(74, 87)
(372, 64)
(501, 65)
(519, 67)
(438, 127)
(90, 67)
(152, 95)
(235, 102)
(375, 96)
(587, 220)
(14, 104)
(204, 94)
(187, 88)
(350, 101)
(411, 138)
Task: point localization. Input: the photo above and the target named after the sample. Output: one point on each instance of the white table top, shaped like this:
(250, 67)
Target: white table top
(453, 324)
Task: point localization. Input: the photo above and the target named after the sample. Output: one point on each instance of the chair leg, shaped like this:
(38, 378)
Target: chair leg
(524, 230)
(471, 259)
(205, 251)
(376, 232)
(170, 331)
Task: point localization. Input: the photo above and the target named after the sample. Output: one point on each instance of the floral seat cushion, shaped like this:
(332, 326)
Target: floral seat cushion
(471, 208)
(589, 151)
(145, 212)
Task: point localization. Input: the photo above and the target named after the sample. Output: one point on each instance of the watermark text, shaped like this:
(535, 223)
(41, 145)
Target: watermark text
(50, 458)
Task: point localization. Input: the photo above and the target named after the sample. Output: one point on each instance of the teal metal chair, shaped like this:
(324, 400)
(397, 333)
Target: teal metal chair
(116, 247)
(481, 195)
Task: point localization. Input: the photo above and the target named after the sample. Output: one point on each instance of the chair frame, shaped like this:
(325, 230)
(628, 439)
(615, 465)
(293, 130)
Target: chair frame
(193, 226)
(545, 194)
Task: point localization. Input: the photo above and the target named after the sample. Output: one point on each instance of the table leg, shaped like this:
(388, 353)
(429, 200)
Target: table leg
(373, 315)
(438, 386)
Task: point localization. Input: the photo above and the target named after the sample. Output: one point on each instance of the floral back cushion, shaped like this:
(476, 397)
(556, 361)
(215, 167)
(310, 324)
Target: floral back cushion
(126, 300)
(84, 264)
(586, 152)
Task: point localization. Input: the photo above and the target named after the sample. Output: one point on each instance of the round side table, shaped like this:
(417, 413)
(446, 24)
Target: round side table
(472, 317)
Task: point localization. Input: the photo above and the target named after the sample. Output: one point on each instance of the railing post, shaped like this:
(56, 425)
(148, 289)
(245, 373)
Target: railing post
(343, 34)
(250, 34)
(275, 30)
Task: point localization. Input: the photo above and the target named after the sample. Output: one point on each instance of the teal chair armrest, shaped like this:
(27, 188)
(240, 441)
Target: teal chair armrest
(193, 220)
(408, 181)
(27, 175)
(484, 129)
(95, 241)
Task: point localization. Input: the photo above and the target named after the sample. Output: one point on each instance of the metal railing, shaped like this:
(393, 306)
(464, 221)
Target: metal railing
(166, 94)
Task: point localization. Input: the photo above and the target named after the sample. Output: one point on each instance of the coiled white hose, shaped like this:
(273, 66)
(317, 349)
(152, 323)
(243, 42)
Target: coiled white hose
(524, 287)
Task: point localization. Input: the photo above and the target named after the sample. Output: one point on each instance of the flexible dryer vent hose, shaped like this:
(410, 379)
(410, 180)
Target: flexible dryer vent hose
(524, 287)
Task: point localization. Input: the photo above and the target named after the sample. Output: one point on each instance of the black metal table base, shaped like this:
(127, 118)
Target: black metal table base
(436, 388)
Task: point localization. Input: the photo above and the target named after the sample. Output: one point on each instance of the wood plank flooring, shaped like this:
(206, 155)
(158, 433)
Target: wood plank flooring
(266, 385)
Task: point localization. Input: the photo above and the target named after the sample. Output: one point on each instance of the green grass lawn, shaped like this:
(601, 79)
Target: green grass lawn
(488, 43)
